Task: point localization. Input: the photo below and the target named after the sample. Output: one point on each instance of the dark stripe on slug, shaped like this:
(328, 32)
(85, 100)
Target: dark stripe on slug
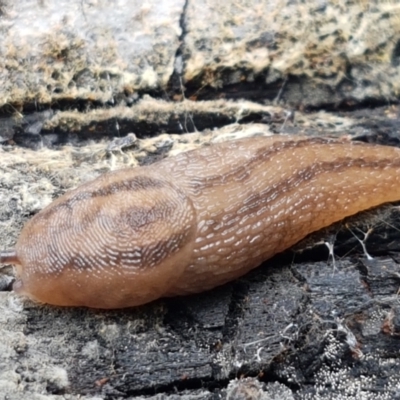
(243, 171)
(273, 194)
(318, 168)
(147, 257)
(138, 183)
(155, 253)
(138, 217)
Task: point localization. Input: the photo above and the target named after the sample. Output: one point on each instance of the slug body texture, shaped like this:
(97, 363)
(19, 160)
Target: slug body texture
(195, 221)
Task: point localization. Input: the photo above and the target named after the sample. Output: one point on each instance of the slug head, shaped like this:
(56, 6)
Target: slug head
(119, 241)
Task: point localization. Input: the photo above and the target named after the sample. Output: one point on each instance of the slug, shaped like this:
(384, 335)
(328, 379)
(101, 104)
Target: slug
(195, 221)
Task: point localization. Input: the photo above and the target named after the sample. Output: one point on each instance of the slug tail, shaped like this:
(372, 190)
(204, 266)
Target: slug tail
(9, 257)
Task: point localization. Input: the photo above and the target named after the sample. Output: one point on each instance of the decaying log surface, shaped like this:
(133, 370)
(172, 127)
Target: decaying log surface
(92, 68)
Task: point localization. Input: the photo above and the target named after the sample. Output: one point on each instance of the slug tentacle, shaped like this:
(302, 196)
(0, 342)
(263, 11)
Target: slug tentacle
(9, 257)
(195, 221)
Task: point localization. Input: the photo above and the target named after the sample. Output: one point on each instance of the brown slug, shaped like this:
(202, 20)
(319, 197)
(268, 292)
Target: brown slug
(195, 221)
